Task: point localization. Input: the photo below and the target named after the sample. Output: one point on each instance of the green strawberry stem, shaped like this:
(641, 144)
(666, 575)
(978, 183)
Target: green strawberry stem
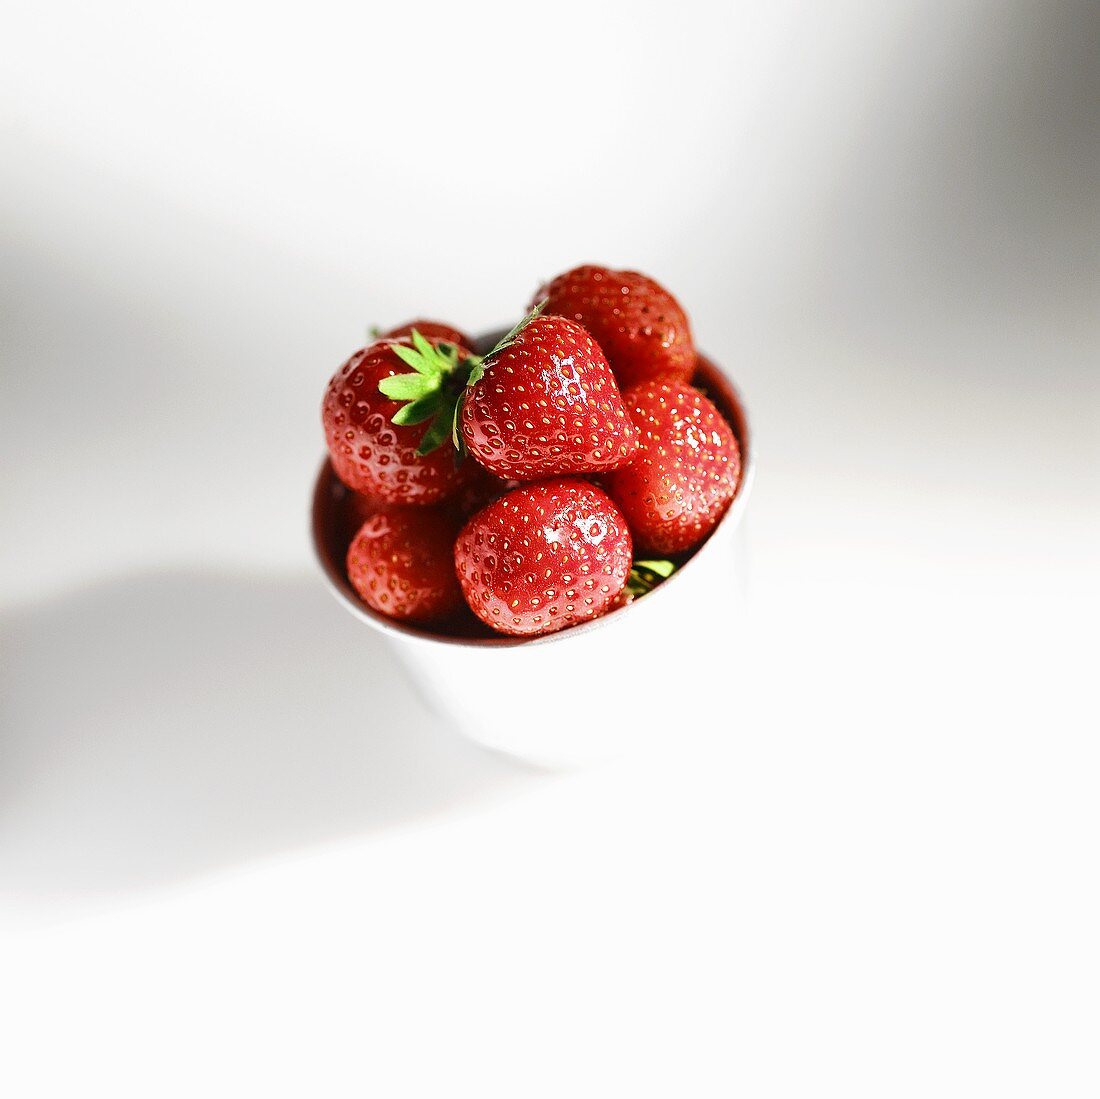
(646, 575)
(432, 390)
(510, 338)
(435, 389)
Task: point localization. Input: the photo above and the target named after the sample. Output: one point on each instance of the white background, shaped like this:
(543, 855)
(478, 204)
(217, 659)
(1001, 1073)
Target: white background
(239, 857)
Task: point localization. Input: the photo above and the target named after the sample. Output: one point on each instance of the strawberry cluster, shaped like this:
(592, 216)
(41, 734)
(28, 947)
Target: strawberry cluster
(566, 471)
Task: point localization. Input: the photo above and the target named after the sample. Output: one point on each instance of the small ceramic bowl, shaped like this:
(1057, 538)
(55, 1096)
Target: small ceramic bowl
(687, 627)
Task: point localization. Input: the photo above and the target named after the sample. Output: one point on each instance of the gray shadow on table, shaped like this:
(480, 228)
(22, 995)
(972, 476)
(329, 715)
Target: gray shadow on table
(158, 727)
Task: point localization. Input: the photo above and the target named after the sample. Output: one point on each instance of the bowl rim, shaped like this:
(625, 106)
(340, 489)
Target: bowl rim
(338, 584)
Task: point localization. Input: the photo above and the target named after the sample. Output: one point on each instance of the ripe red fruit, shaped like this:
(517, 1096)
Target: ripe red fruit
(371, 454)
(401, 564)
(546, 405)
(686, 470)
(433, 331)
(546, 556)
(641, 327)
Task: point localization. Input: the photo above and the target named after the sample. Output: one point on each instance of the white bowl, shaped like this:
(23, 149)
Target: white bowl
(481, 683)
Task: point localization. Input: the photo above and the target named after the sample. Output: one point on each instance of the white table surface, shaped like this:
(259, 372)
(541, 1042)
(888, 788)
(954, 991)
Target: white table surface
(239, 857)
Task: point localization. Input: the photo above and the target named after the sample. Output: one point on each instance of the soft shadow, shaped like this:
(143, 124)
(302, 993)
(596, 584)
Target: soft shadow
(159, 727)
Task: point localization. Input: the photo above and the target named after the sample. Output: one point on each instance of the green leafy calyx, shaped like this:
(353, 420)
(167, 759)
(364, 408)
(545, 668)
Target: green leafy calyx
(431, 392)
(435, 389)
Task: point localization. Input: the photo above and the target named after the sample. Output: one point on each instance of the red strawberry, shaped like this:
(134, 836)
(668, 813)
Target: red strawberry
(641, 327)
(402, 564)
(544, 404)
(686, 470)
(372, 453)
(433, 331)
(546, 556)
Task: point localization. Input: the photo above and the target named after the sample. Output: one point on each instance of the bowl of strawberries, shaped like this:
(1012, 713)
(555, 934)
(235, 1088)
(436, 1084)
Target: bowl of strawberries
(540, 508)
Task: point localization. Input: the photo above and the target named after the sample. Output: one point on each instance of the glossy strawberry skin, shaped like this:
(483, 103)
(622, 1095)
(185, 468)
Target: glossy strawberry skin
(546, 556)
(642, 328)
(435, 331)
(547, 405)
(401, 564)
(370, 454)
(685, 473)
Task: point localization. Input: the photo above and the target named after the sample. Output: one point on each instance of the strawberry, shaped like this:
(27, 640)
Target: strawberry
(686, 470)
(641, 327)
(374, 445)
(544, 557)
(544, 403)
(401, 563)
(433, 331)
